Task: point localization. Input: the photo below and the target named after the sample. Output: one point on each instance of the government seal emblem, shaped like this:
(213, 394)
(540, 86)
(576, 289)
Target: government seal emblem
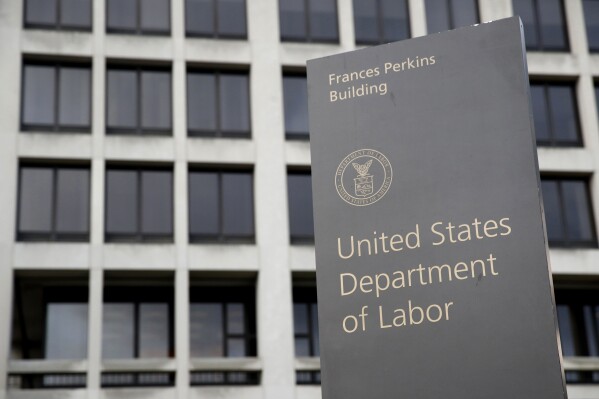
(367, 181)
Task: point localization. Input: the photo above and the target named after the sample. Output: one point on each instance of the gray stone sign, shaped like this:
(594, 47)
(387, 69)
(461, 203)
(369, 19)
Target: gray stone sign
(431, 252)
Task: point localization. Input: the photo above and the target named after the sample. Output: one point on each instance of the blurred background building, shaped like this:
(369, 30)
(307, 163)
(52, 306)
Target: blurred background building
(156, 234)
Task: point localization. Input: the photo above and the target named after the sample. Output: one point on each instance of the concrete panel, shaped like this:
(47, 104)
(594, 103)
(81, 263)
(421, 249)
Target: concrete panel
(223, 257)
(212, 51)
(47, 394)
(226, 393)
(138, 148)
(134, 47)
(302, 258)
(64, 256)
(46, 366)
(55, 145)
(297, 153)
(558, 64)
(577, 160)
(138, 393)
(64, 43)
(583, 391)
(296, 54)
(308, 392)
(574, 261)
(139, 256)
(207, 150)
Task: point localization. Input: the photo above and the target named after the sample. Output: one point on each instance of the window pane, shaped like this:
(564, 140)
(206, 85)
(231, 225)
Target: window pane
(203, 204)
(396, 22)
(323, 19)
(41, 12)
(235, 318)
(206, 330)
(153, 330)
(301, 222)
(66, 331)
(525, 9)
(38, 95)
(118, 340)
(122, 14)
(234, 103)
(156, 100)
(315, 336)
(563, 112)
(577, 208)
(553, 213)
(437, 16)
(157, 202)
(75, 97)
(72, 201)
(552, 24)
(199, 16)
(238, 204)
(76, 13)
(365, 21)
(292, 19)
(591, 321)
(566, 330)
(155, 15)
(302, 347)
(591, 17)
(464, 12)
(539, 110)
(121, 201)
(236, 347)
(231, 17)
(201, 105)
(122, 99)
(35, 200)
(300, 318)
(295, 93)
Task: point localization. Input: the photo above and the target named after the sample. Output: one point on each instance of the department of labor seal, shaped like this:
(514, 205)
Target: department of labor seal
(363, 177)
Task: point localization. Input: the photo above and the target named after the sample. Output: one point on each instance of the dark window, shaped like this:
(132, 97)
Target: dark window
(381, 21)
(139, 204)
(309, 377)
(295, 96)
(216, 18)
(442, 15)
(58, 14)
(137, 320)
(555, 114)
(138, 16)
(591, 17)
(308, 20)
(138, 101)
(218, 104)
(568, 213)
(544, 24)
(50, 318)
(46, 381)
(301, 221)
(53, 203)
(578, 317)
(203, 378)
(221, 206)
(56, 97)
(222, 321)
(305, 321)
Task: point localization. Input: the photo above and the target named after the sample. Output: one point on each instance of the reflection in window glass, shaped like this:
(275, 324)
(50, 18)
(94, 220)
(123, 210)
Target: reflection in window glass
(295, 98)
(58, 14)
(138, 16)
(153, 330)
(308, 20)
(216, 18)
(544, 24)
(555, 114)
(118, 331)
(301, 221)
(591, 17)
(66, 331)
(206, 331)
(442, 15)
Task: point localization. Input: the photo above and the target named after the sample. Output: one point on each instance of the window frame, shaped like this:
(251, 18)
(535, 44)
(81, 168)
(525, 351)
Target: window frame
(568, 243)
(294, 136)
(139, 130)
(233, 292)
(451, 16)
(56, 127)
(564, 27)
(138, 29)
(144, 296)
(218, 132)
(552, 142)
(216, 34)
(52, 235)
(381, 26)
(58, 25)
(138, 236)
(308, 38)
(302, 296)
(221, 238)
(298, 239)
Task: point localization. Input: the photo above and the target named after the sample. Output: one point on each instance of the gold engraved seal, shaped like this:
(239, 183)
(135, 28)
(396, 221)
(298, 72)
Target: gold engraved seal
(367, 180)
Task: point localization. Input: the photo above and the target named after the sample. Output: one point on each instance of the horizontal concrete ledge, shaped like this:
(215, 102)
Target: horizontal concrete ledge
(307, 363)
(553, 64)
(67, 146)
(223, 257)
(581, 363)
(62, 43)
(574, 262)
(296, 54)
(297, 153)
(50, 255)
(46, 366)
(566, 160)
(225, 364)
(203, 150)
(139, 148)
(143, 256)
(139, 365)
(302, 258)
(78, 393)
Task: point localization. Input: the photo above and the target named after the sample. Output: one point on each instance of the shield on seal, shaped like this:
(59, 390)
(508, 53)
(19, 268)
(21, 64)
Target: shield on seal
(364, 185)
